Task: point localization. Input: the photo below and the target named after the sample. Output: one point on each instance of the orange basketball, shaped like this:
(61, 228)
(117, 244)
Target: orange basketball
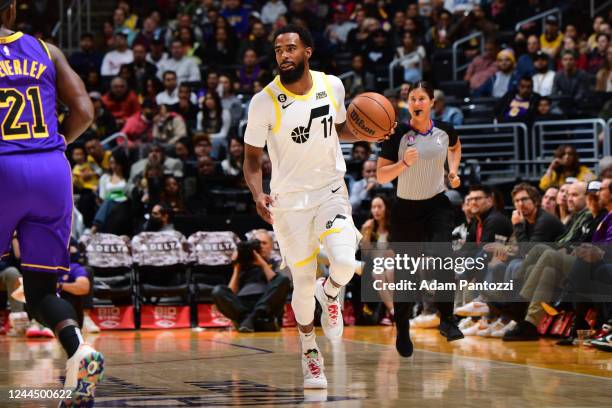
(370, 116)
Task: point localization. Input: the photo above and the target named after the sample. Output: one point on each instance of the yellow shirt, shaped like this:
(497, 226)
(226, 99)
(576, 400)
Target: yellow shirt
(550, 47)
(555, 180)
(77, 176)
(105, 163)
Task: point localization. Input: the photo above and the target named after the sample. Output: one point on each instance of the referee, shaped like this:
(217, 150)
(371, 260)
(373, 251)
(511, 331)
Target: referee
(416, 154)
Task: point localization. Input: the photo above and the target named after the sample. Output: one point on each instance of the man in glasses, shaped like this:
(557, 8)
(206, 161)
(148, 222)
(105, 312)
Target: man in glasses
(531, 223)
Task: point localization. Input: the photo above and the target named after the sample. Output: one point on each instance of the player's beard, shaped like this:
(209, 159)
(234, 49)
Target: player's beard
(293, 75)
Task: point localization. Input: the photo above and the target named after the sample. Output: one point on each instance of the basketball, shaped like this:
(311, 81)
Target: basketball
(370, 116)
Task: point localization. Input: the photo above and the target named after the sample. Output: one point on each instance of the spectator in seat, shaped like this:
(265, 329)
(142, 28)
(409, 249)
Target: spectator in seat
(359, 80)
(172, 195)
(360, 152)
(549, 201)
(545, 112)
(571, 82)
(229, 100)
(155, 157)
(518, 105)
(504, 80)
(525, 65)
(438, 37)
(74, 286)
(249, 71)
(598, 21)
(83, 175)
(597, 57)
(337, 31)
(552, 38)
(564, 214)
(119, 23)
(169, 127)
(193, 48)
(604, 75)
(489, 225)
(445, 113)
(160, 219)
(543, 77)
(232, 165)
(87, 59)
(121, 55)
(413, 68)
(215, 121)
(157, 55)
(272, 10)
(186, 107)
(482, 67)
(220, 51)
(530, 222)
(121, 102)
(566, 163)
(185, 67)
(202, 146)
(364, 189)
(237, 16)
(138, 128)
(258, 41)
(378, 50)
(97, 156)
(141, 68)
(113, 214)
(582, 60)
(256, 291)
(147, 33)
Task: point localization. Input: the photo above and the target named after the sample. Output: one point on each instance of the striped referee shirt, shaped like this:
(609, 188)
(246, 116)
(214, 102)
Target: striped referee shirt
(425, 178)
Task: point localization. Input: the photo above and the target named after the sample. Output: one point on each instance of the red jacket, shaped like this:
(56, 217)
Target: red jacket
(123, 109)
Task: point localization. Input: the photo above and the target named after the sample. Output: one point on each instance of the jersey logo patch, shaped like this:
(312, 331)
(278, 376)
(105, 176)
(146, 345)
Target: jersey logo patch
(321, 95)
(6, 51)
(282, 98)
(301, 134)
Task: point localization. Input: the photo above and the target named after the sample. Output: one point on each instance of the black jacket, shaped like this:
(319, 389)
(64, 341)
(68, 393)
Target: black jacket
(547, 228)
(494, 224)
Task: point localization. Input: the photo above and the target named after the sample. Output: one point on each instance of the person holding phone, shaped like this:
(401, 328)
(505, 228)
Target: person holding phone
(565, 164)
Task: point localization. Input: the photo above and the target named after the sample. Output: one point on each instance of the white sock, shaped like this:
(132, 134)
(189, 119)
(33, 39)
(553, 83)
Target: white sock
(308, 340)
(330, 289)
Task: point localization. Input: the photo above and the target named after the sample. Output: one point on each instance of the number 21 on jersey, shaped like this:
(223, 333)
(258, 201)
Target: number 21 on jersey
(15, 101)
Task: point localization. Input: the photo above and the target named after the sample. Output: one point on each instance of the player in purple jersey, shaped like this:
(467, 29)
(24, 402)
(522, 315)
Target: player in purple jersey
(37, 185)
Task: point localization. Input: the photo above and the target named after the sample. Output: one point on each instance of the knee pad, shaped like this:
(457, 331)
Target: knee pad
(340, 248)
(303, 300)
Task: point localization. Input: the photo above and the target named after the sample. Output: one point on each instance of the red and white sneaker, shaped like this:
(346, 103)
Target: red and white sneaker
(603, 341)
(313, 367)
(331, 318)
(83, 372)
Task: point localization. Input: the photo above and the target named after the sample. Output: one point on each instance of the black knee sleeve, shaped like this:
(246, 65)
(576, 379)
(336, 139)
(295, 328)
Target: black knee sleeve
(41, 298)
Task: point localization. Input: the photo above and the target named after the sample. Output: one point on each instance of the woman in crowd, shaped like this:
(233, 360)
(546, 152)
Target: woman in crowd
(114, 212)
(215, 121)
(566, 164)
(232, 165)
(172, 196)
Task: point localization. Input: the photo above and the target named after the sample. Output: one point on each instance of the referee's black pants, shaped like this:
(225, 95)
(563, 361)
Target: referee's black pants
(421, 221)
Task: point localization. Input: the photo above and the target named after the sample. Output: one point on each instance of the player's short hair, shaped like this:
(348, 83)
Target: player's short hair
(303, 33)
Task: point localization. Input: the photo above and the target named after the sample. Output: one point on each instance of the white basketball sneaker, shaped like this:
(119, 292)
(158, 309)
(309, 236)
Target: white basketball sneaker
(313, 367)
(331, 317)
(83, 371)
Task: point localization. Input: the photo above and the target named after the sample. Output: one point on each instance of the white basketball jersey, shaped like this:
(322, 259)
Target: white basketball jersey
(300, 134)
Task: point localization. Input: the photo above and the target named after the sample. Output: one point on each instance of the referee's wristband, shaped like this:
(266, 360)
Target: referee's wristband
(405, 164)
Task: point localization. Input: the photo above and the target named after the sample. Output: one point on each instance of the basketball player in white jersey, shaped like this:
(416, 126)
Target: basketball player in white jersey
(300, 116)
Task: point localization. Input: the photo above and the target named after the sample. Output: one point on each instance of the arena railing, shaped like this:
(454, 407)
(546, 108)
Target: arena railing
(583, 134)
(498, 148)
(71, 21)
(399, 61)
(456, 45)
(597, 8)
(542, 16)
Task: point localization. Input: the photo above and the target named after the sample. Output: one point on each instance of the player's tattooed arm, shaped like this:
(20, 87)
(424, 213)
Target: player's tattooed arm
(72, 93)
(344, 134)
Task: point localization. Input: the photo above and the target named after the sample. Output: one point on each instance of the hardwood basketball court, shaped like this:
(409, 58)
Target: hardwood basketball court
(221, 368)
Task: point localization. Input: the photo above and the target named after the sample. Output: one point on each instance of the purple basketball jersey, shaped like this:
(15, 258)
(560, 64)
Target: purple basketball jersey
(28, 111)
